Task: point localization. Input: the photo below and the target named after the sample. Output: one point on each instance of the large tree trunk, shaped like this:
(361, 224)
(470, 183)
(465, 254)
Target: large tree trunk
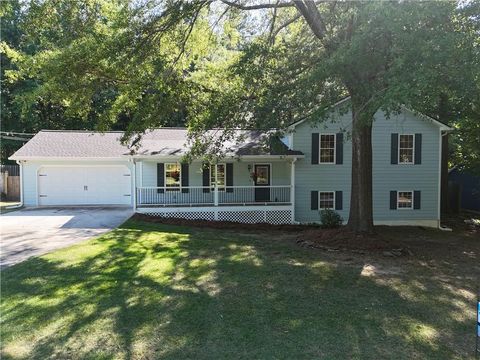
(361, 209)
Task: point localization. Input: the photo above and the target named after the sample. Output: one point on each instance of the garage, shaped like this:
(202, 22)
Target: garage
(84, 185)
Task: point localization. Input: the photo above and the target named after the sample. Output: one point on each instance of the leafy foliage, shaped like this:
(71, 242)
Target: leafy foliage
(205, 64)
(132, 66)
(330, 219)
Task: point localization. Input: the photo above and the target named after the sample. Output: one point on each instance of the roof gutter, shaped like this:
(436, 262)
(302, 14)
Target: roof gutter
(67, 158)
(235, 157)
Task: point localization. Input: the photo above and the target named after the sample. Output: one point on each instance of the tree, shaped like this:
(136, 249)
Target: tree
(156, 63)
(382, 54)
(23, 108)
(106, 66)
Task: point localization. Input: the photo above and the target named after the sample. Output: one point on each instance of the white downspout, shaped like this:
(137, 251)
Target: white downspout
(20, 164)
(444, 228)
(134, 185)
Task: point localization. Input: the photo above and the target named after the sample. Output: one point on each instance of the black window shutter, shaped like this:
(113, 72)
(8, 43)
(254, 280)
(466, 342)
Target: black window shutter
(418, 149)
(416, 199)
(160, 177)
(315, 148)
(339, 149)
(393, 200)
(394, 149)
(314, 200)
(338, 200)
(206, 178)
(229, 176)
(184, 179)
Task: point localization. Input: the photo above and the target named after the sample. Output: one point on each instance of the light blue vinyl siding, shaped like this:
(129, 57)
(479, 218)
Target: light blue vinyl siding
(386, 177)
(320, 177)
(408, 177)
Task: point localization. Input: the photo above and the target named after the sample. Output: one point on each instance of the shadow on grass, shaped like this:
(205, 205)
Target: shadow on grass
(150, 291)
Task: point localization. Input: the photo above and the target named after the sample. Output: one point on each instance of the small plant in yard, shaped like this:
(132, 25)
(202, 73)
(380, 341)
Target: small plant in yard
(330, 219)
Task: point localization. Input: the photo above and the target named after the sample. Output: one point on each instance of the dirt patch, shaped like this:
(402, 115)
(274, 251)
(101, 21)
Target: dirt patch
(343, 240)
(467, 223)
(312, 236)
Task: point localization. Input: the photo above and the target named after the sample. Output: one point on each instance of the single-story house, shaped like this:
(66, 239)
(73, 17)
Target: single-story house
(288, 181)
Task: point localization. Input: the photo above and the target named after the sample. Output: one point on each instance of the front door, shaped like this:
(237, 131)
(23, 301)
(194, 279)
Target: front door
(262, 183)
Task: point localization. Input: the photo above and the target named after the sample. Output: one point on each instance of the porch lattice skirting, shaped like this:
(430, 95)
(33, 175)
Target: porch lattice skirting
(245, 214)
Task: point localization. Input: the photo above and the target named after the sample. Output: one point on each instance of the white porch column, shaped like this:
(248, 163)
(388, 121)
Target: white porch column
(134, 185)
(215, 195)
(292, 188)
(215, 189)
(140, 193)
(215, 200)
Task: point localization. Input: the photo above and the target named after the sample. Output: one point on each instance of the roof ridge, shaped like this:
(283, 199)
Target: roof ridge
(146, 131)
(83, 131)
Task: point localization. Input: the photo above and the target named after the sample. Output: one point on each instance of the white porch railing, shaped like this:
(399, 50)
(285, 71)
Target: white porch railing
(247, 195)
(213, 196)
(168, 196)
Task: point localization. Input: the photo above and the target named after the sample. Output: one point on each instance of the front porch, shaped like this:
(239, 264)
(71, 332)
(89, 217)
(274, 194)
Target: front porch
(240, 191)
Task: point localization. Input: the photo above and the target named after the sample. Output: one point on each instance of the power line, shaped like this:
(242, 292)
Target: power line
(15, 138)
(15, 133)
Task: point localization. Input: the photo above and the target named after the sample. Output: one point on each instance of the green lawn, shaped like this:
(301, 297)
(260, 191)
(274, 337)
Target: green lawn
(148, 291)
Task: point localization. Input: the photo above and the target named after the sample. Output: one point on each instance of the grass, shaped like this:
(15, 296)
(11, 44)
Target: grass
(148, 291)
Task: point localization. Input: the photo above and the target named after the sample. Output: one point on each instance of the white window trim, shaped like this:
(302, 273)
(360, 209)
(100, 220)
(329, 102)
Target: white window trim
(179, 187)
(331, 192)
(413, 152)
(320, 149)
(216, 175)
(398, 199)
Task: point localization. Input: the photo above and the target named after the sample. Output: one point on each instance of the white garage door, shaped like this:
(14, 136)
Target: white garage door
(84, 185)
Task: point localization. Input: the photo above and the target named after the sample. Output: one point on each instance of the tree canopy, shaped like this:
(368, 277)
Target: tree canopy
(134, 65)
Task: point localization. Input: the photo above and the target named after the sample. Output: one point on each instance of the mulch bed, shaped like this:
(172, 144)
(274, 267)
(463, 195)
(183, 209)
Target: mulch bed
(227, 225)
(341, 239)
(310, 236)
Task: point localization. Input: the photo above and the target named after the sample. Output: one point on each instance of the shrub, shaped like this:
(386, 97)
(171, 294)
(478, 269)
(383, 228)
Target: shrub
(330, 219)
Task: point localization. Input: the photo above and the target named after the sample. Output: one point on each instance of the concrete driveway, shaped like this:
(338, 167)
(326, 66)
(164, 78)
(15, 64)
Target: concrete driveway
(33, 232)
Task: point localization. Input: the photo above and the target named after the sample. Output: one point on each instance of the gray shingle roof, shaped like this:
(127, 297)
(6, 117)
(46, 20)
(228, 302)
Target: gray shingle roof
(158, 142)
(81, 144)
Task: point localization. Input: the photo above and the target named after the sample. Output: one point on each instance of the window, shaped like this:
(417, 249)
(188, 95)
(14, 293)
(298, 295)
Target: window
(172, 176)
(326, 200)
(327, 148)
(219, 177)
(405, 149)
(405, 200)
(262, 174)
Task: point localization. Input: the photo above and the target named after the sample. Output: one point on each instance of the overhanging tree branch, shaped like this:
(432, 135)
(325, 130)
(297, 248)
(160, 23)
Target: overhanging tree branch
(271, 37)
(285, 24)
(259, 6)
(266, 5)
(312, 16)
(189, 32)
